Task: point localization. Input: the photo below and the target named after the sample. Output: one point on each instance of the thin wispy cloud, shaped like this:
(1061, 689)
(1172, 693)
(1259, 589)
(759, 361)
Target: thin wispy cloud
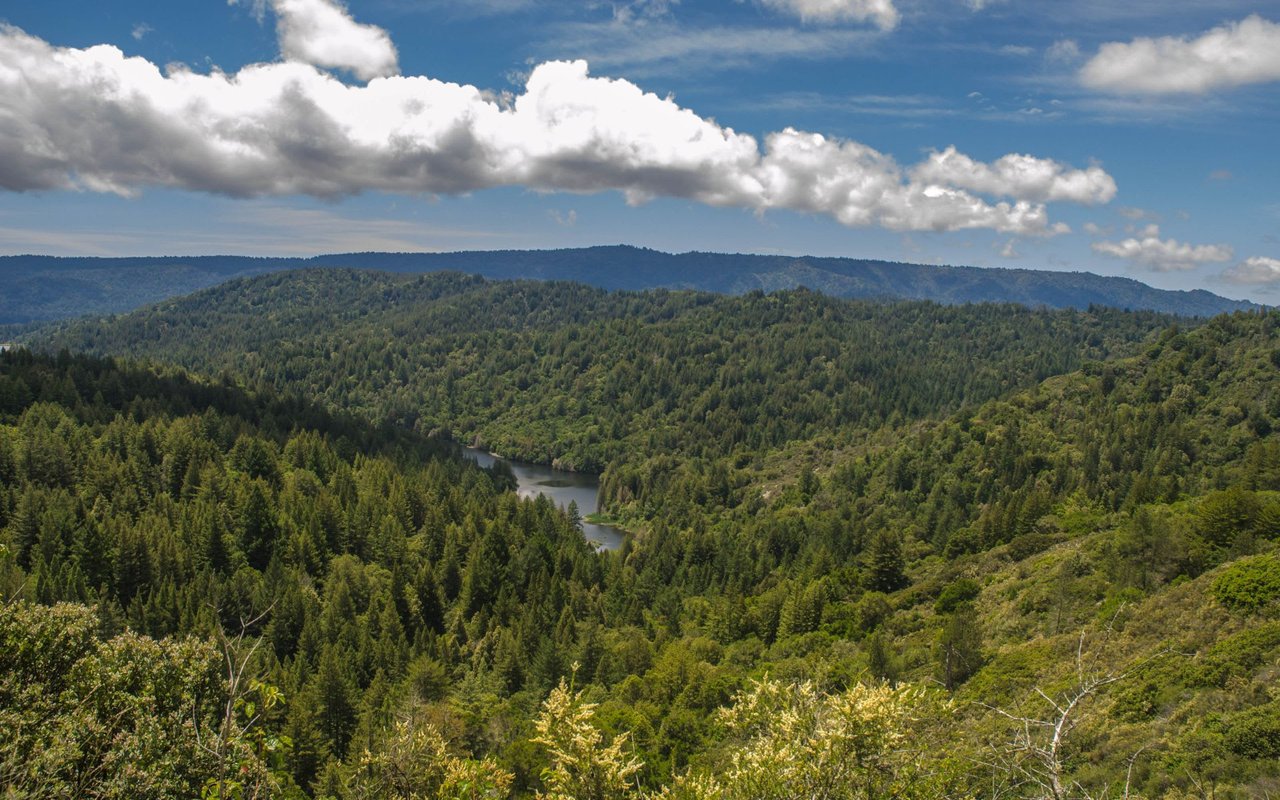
(904, 106)
(58, 241)
(1101, 16)
(456, 10)
(260, 228)
(284, 230)
(670, 49)
(882, 13)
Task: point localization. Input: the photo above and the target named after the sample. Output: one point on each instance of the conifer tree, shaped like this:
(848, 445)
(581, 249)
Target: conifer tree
(886, 567)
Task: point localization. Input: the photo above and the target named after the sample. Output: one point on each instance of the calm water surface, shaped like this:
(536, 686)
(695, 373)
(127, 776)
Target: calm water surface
(560, 487)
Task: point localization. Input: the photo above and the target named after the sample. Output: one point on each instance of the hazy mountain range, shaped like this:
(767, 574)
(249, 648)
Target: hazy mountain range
(39, 288)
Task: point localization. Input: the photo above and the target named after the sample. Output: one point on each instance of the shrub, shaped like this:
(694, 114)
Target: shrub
(1239, 655)
(1255, 733)
(957, 593)
(1249, 585)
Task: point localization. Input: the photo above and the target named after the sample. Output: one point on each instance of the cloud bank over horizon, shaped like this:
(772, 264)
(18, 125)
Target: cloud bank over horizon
(96, 119)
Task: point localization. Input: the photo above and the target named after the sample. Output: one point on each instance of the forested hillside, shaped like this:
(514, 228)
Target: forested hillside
(354, 559)
(634, 268)
(40, 288)
(563, 373)
(969, 582)
(46, 288)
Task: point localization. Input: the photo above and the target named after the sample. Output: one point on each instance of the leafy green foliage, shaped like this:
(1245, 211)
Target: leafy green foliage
(958, 593)
(1250, 584)
(790, 741)
(582, 767)
(413, 761)
(128, 717)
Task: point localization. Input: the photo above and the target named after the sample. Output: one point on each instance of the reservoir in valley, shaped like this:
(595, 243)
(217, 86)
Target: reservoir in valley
(561, 487)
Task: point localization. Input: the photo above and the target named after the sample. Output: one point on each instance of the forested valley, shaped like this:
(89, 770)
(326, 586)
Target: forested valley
(874, 549)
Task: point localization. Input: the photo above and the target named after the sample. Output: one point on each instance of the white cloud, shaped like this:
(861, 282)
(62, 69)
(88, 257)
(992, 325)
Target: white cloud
(1063, 51)
(258, 8)
(643, 10)
(1255, 271)
(471, 8)
(94, 119)
(1017, 175)
(322, 32)
(880, 12)
(662, 47)
(140, 30)
(861, 187)
(1235, 54)
(1163, 255)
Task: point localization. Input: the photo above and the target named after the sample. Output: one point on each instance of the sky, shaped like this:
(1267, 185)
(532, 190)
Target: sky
(1135, 138)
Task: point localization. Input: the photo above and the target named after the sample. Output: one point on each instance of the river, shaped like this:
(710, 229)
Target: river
(561, 487)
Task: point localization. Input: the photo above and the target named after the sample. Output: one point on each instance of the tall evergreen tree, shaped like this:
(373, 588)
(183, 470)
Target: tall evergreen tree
(886, 569)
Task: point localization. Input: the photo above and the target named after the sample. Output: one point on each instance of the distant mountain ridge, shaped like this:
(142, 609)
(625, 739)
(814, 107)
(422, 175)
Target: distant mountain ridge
(38, 288)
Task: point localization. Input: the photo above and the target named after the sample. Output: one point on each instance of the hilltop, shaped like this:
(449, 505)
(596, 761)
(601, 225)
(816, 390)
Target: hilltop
(42, 288)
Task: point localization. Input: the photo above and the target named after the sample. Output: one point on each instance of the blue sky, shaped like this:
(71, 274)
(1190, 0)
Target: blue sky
(1128, 139)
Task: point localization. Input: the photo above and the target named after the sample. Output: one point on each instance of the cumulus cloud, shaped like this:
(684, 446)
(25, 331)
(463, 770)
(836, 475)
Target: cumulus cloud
(94, 119)
(1235, 54)
(1163, 255)
(322, 32)
(1256, 271)
(882, 13)
(1018, 176)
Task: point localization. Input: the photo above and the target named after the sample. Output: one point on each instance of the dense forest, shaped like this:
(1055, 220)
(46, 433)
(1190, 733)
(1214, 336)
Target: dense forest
(897, 550)
(566, 374)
